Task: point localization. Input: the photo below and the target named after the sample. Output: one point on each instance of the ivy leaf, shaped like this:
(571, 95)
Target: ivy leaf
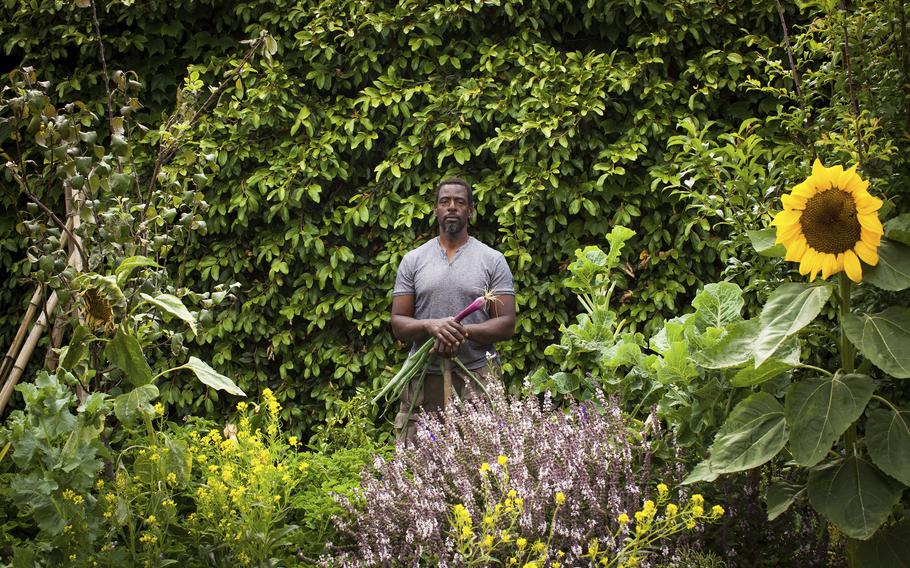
(889, 547)
(893, 269)
(753, 434)
(718, 304)
(854, 495)
(779, 496)
(888, 442)
(129, 264)
(883, 339)
(132, 406)
(765, 243)
(125, 353)
(819, 410)
(790, 308)
(211, 377)
(172, 305)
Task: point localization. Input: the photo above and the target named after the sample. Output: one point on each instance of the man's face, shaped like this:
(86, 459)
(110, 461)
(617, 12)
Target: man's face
(452, 209)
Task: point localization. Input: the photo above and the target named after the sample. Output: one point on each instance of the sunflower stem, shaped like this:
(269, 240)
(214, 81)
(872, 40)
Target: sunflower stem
(847, 364)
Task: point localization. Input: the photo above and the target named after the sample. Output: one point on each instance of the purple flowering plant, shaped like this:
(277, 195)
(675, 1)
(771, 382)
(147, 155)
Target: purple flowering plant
(518, 454)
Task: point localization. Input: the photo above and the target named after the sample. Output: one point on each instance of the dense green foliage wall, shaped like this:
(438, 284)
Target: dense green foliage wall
(568, 118)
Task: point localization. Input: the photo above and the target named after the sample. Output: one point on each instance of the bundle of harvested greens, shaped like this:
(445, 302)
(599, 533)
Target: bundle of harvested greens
(417, 363)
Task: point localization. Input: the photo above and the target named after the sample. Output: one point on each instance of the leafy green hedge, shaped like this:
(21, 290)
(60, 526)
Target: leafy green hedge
(561, 114)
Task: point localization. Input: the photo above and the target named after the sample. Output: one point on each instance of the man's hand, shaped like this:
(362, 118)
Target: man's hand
(449, 336)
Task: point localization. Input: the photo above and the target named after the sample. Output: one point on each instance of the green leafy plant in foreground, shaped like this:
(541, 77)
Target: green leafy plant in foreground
(591, 350)
(838, 432)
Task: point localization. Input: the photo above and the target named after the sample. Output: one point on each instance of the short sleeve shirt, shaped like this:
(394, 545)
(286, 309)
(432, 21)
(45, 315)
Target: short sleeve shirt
(442, 288)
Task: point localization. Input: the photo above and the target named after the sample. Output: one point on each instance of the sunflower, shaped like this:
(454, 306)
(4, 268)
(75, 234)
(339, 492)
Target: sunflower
(830, 223)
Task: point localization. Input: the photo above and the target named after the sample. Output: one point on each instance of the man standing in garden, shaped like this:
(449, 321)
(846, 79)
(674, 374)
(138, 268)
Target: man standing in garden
(434, 282)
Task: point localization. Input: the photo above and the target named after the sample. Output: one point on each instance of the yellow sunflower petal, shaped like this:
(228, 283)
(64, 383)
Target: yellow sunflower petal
(866, 252)
(796, 249)
(818, 266)
(852, 267)
(871, 238)
(807, 261)
(791, 201)
(870, 222)
(866, 203)
(829, 266)
(852, 182)
(817, 167)
(786, 217)
(804, 190)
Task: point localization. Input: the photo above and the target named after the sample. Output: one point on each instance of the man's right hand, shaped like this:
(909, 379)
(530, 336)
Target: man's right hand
(449, 336)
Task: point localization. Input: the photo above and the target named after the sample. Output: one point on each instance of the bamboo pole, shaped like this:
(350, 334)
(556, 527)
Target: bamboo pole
(28, 348)
(10, 356)
(26, 353)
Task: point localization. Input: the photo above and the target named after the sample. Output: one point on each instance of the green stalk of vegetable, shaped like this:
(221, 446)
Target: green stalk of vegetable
(418, 361)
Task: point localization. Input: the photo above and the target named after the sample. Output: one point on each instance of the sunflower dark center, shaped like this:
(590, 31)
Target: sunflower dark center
(829, 222)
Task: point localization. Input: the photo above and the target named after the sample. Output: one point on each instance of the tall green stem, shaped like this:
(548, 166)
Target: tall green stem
(847, 357)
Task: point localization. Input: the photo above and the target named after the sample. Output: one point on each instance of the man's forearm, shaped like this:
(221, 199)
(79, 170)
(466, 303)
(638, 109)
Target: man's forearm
(492, 330)
(409, 329)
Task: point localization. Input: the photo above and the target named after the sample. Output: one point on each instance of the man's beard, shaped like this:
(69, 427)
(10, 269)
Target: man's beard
(451, 227)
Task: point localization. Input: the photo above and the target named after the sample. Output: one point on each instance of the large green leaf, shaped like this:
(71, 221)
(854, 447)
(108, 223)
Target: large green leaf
(172, 305)
(888, 441)
(854, 495)
(889, 548)
(790, 308)
(77, 349)
(733, 350)
(883, 338)
(129, 264)
(783, 360)
(718, 304)
(211, 377)
(898, 228)
(819, 410)
(125, 353)
(753, 434)
(701, 472)
(132, 406)
(750, 376)
(779, 496)
(764, 242)
(893, 269)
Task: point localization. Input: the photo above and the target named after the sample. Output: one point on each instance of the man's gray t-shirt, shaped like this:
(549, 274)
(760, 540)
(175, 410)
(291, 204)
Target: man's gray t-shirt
(441, 288)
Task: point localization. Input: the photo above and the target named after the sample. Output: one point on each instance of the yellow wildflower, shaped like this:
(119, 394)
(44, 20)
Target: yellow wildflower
(697, 499)
(159, 409)
(672, 509)
(560, 498)
(521, 542)
(623, 519)
(662, 489)
(717, 511)
(484, 468)
(502, 460)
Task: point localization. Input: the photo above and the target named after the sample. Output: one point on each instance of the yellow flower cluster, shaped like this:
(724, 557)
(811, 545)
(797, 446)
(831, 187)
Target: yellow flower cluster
(249, 476)
(497, 536)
